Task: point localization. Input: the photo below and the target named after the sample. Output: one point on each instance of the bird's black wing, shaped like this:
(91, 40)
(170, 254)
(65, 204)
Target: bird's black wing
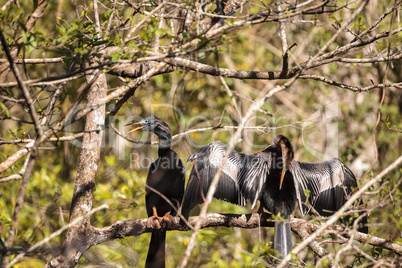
(207, 162)
(329, 184)
(253, 174)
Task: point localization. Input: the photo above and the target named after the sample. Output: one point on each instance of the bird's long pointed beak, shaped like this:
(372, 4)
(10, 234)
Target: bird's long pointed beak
(135, 129)
(135, 124)
(282, 176)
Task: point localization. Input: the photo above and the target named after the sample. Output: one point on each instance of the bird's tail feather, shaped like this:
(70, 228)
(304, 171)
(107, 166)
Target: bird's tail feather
(156, 251)
(282, 238)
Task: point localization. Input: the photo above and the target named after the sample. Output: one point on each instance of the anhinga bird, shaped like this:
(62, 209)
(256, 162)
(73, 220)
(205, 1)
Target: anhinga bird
(167, 176)
(274, 178)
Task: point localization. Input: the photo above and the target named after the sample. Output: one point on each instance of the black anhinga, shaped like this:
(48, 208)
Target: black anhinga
(167, 176)
(274, 178)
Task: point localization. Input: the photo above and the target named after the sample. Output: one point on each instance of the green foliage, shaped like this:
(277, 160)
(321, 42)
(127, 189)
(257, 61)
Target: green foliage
(337, 23)
(201, 101)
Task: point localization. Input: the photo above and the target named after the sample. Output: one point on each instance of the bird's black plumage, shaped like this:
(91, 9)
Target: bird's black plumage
(208, 160)
(167, 176)
(272, 177)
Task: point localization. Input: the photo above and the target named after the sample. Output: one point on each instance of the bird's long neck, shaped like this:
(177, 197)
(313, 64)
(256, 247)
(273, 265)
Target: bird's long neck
(165, 142)
(287, 154)
(286, 149)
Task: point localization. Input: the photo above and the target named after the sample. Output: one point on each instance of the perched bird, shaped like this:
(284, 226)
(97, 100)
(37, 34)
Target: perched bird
(273, 178)
(167, 176)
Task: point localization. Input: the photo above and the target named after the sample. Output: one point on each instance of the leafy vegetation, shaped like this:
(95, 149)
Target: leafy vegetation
(345, 96)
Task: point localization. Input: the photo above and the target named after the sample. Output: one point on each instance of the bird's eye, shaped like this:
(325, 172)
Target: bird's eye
(146, 121)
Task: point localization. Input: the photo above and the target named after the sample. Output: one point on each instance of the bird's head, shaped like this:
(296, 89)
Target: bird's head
(287, 154)
(154, 125)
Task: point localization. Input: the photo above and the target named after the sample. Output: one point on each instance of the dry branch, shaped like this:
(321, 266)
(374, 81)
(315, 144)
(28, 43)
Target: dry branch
(137, 227)
(22, 86)
(35, 61)
(19, 175)
(303, 228)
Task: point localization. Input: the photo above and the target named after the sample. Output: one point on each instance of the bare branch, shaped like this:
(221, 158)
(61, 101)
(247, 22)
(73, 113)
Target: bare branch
(52, 103)
(35, 61)
(45, 81)
(303, 229)
(30, 23)
(22, 86)
(96, 15)
(137, 227)
(19, 175)
(129, 90)
(229, 73)
(132, 71)
(356, 44)
(352, 88)
(66, 138)
(14, 157)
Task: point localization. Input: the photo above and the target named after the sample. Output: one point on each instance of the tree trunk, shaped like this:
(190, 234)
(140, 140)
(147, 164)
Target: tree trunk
(74, 244)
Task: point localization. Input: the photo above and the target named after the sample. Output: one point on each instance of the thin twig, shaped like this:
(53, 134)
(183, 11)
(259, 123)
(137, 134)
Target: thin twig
(22, 86)
(65, 138)
(52, 103)
(133, 30)
(19, 175)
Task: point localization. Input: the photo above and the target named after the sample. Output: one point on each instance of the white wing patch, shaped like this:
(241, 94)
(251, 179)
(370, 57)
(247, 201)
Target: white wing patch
(316, 177)
(333, 177)
(230, 168)
(254, 175)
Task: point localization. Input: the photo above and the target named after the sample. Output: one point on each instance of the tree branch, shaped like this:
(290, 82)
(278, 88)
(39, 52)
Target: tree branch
(65, 138)
(35, 61)
(22, 86)
(19, 175)
(30, 23)
(137, 227)
(352, 88)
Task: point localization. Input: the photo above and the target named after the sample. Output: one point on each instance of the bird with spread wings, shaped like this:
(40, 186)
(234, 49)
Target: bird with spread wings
(274, 178)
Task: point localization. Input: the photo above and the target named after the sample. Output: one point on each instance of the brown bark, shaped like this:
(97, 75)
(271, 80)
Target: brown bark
(94, 236)
(136, 70)
(301, 227)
